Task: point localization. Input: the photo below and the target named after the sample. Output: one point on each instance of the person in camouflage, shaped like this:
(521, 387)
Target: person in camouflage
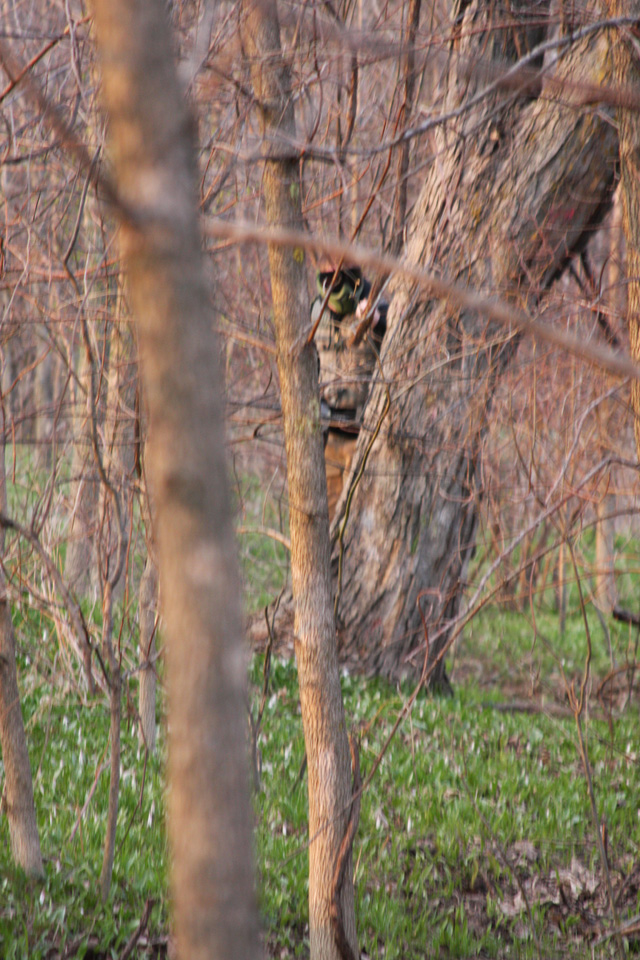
(345, 368)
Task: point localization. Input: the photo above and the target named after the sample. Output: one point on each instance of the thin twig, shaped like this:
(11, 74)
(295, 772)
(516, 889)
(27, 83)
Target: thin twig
(101, 768)
(140, 929)
(266, 532)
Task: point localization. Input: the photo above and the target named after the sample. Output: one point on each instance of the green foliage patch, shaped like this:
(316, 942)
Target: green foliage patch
(469, 804)
(68, 737)
(476, 835)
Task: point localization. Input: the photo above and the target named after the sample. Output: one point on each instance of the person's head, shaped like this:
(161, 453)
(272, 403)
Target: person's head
(345, 285)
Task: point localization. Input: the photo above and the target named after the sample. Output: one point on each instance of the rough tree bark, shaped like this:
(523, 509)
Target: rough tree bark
(209, 809)
(626, 54)
(328, 760)
(410, 28)
(18, 784)
(516, 188)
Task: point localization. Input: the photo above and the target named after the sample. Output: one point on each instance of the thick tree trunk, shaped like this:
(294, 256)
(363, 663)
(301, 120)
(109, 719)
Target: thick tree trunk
(516, 188)
(209, 810)
(410, 25)
(627, 73)
(20, 807)
(328, 761)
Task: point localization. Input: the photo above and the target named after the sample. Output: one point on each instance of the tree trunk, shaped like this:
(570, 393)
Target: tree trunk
(147, 620)
(627, 73)
(83, 499)
(20, 807)
(209, 811)
(111, 659)
(410, 28)
(323, 718)
(516, 188)
(119, 448)
(606, 593)
(80, 568)
(43, 406)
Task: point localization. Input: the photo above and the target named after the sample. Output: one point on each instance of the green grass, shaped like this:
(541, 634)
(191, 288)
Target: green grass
(468, 799)
(68, 744)
(460, 783)
(264, 561)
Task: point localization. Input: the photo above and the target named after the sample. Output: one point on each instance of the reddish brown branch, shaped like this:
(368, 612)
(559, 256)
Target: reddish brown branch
(140, 929)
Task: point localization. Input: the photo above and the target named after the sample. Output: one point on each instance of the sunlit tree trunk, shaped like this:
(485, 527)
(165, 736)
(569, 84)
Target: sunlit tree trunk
(209, 811)
(329, 768)
(627, 71)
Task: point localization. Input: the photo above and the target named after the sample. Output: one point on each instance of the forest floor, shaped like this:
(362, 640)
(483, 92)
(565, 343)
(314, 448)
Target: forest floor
(478, 835)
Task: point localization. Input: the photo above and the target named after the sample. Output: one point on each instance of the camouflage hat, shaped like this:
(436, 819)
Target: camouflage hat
(346, 288)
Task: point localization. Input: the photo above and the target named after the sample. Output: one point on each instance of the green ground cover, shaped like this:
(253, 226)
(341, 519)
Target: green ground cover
(476, 837)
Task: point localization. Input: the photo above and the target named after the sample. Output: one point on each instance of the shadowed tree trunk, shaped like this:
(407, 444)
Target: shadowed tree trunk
(606, 593)
(627, 73)
(328, 762)
(18, 785)
(209, 811)
(410, 28)
(515, 189)
(147, 618)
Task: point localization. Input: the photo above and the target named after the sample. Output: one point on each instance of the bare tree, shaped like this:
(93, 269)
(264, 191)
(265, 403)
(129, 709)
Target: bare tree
(327, 747)
(517, 185)
(209, 811)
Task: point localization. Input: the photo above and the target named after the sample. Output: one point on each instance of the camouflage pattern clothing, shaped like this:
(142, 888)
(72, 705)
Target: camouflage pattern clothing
(345, 369)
